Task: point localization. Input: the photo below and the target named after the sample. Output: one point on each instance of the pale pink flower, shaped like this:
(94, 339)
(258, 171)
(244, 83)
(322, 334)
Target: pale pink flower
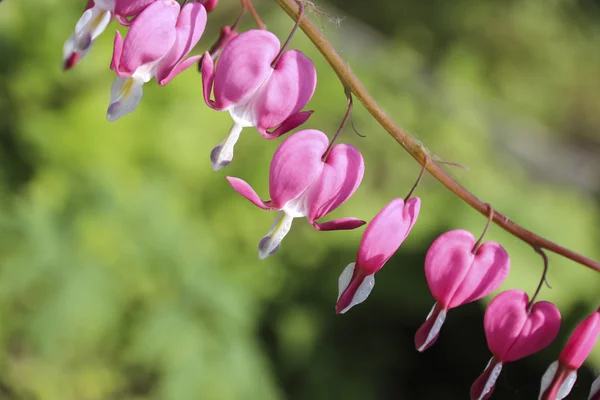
(93, 22)
(457, 276)
(559, 378)
(256, 94)
(156, 45)
(382, 238)
(302, 185)
(514, 330)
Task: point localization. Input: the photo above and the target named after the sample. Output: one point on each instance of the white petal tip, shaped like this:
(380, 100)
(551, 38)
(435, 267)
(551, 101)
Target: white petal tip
(344, 279)
(265, 247)
(595, 388)
(566, 385)
(219, 159)
(491, 382)
(435, 328)
(361, 294)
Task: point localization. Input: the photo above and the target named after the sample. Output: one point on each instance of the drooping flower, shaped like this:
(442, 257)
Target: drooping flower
(595, 390)
(456, 275)
(514, 329)
(382, 238)
(156, 45)
(95, 18)
(302, 185)
(559, 378)
(255, 93)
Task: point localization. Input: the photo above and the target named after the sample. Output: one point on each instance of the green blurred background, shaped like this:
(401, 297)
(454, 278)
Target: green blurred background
(129, 269)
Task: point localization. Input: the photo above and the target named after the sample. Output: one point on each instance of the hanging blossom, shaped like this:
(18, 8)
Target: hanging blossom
(459, 271)
(301, 184)
(255, 93)
(560, 377)
(514, 329)
(157, 44)
(595, 391)
(382, 238)
(95, 19)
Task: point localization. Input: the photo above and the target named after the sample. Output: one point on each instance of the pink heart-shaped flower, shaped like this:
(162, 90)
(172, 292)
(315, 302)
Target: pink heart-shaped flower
(514, 332)
(456, 276)
(341, 176)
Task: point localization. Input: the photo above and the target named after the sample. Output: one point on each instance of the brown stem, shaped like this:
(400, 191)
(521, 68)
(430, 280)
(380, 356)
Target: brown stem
(417, 182)
(542, 281)
(415, 149)
(342, 124)
(292, 33)
(247, 5)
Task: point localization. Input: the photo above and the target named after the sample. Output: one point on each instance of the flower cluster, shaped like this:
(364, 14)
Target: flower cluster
(263, 85)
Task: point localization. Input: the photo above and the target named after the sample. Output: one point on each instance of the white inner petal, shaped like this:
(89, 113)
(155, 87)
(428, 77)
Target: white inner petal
(548, 377)
(108, 5)
(222, 154)
(244, 114)
(567, 385)
(435, 329)
(491, 380)
(363, 291)
(344, 279)
(271, 243)
(595, 388)
(297, 207)
(125, 95)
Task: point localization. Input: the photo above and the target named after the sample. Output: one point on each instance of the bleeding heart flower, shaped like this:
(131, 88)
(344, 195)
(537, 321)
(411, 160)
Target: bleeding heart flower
(156, 46)
(457, 276)
(382, 238)
(255, 93)
(560, 377)
(302, 185)
(514, 330)
(95, 19)
(595, 391)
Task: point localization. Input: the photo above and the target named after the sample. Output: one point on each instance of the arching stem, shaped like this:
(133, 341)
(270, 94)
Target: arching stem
(342, 125)
(415, 149)
(247, 5)
(417, 182)
(487, 226)
(542, 281)
(294, 29)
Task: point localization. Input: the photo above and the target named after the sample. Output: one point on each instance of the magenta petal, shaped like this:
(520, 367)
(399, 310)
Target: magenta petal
(287, 91)
(151, 36)
(456, 276)
(296, 165)
(117, 51)
(129, 8)
(386, 232)
(208, 78)
(581, 342)
(182, 66)
(246, 190)
(512, 333)
(190, 27)
(291, 123)
(342, 173)
(243, 67)
(342, 224)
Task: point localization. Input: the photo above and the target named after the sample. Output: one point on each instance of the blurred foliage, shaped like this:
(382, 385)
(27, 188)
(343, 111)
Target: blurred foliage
(128, 268)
